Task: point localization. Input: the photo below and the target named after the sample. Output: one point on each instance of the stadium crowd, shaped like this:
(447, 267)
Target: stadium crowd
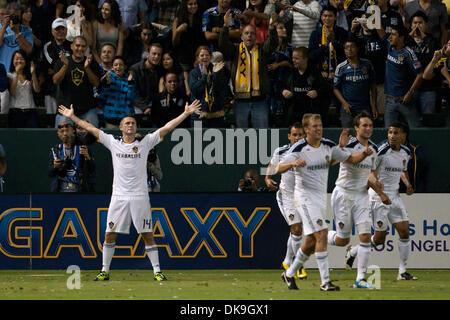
(256, 63)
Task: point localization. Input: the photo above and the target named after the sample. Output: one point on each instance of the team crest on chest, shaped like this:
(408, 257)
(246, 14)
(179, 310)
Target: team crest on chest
(135, 149)
(400, 58)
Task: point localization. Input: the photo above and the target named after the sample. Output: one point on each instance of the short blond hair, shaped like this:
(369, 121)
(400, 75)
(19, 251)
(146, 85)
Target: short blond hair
(307, 117)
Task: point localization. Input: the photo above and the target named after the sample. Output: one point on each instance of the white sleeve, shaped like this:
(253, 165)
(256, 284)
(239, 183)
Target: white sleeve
(290, 157)
(105, 139)
(339, 154)
(152, 139)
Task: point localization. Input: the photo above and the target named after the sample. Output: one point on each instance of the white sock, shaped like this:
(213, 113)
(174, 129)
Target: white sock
(289, 252)
(332, 237)
(403, 249)
(296, 242)
(322, 263)
(108, 252)
(363, 259)
(152, 254)
(300, 259)
(354, 250)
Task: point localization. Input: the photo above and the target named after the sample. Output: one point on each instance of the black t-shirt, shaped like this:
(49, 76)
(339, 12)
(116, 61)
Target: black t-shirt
(76, 88)
(301, 85)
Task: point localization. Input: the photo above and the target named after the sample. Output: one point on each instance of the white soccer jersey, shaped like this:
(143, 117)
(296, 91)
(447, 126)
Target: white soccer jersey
(354, 176)
(130, 162)
(313, 178)
(287, 178)
(390, 165)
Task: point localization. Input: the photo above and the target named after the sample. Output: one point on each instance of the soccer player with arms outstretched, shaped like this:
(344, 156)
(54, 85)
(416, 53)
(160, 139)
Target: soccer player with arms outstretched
(130, 200)
(391, 166)
(311, 157)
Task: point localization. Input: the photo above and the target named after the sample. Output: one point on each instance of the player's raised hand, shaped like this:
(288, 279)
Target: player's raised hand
(368, 151)
(66, 112)
(344, 138)
(193, 107)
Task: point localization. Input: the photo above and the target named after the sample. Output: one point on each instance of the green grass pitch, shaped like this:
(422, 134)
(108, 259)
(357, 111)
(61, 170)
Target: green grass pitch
(215, 285)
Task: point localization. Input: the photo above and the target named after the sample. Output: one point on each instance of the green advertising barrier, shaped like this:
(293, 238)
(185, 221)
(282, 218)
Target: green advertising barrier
(197, 160)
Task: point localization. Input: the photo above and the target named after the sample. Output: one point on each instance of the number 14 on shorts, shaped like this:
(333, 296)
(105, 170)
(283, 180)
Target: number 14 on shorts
(147, 224)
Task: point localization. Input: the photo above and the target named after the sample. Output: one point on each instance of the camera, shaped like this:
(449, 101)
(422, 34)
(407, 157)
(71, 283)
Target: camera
(362, 20)
(248, 183)
(14, 18)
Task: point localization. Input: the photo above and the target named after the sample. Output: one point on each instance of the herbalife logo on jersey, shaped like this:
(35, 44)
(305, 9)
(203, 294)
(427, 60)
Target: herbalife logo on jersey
(229, 146)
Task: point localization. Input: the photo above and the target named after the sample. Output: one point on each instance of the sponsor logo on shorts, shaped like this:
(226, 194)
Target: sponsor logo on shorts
(319, 222)
(111, 225)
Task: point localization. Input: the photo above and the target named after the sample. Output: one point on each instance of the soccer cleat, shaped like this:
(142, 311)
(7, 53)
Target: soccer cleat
(363, 284)
(289, 281)
(301, 274)
(406, 276)
(349, 259)
(285, 267)
(329, 287)
(102, 276)
(159, 276)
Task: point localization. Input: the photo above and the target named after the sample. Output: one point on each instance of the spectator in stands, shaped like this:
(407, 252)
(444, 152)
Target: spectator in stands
(147, 73)
(209, 84)
(132, 12)
(436, 12)
(278, 69)
(4, 92)
(70, 164)
(249, 62)
(304, 87)
(326, 49)
(375, 50)
(138, 43)
(117, 92)
(403, 77)
(107, 54)
(439, 64)
(187, 34)
(256, 15)
(80, 26)
(355, 85)
(389, 16)
(213, 23)
(3, 167)
(154, 171)
(305, 15)
(167, 11)
(424, 46)
(76, 76)
(108, 29)
(43, 12)
(13, 36)
(342, 14)
(25, 18)
(170, 63)
(23, 82)
(170, 103)
(50, 54)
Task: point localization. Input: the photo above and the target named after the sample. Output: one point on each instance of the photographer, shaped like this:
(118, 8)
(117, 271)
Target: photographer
(14, 36)
(70, 164)
(250, 182)
(154, 172)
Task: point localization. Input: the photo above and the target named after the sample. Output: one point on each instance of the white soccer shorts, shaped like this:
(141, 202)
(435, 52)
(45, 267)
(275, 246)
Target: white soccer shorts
(312, 212)
(350, 208)
(287, 207)
(124, 209)
(383, 214)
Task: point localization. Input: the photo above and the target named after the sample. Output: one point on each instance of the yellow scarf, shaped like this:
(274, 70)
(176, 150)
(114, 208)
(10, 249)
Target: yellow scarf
(247, 73)
(209, 98)
(330, 63)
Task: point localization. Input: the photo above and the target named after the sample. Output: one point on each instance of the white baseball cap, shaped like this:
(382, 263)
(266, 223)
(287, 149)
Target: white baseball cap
(59, 22)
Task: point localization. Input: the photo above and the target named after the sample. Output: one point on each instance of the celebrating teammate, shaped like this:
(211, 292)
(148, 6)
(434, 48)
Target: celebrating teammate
(130, 200)
(391, 166)
(311, 157)
(350, 198)
(285, 197)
